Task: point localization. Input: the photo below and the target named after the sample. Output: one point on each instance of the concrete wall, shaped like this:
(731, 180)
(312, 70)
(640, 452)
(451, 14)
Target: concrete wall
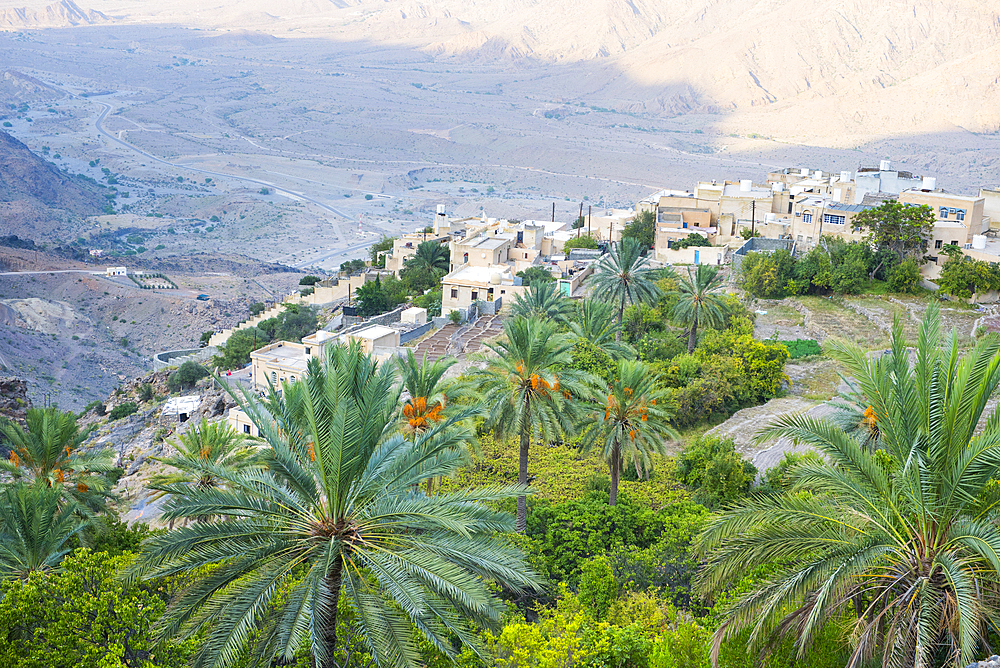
(406, 337)
(170, 358)
(759, 245)
(693, 255)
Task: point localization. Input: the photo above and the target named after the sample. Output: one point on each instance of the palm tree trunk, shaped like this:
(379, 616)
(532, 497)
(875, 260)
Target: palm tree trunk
(616, 473)
(331, 582)
(693, 337)
(621, 321)
(522, 478)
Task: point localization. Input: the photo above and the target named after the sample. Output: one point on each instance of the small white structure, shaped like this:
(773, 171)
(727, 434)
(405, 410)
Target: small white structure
(376, 336)
(414, 316)
(181, 407)
(116, 271)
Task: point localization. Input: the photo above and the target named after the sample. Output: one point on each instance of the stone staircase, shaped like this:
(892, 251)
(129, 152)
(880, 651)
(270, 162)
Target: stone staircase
(436, 345)
(482, 330)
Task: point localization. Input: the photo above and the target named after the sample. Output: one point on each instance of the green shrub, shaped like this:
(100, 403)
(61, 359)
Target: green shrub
(715, 472)
(802, 348)
(122, 410)
(145, 392)
(186, 376)
(309, 280)
(455, 317)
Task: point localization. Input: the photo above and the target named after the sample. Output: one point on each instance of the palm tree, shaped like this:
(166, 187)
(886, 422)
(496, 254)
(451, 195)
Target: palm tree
(542, 300)
(48, 452)
(905, 539)
(595, 321)
(699, 301)
(529, 389)
(428, 395)
(633, 424)
(36, 525)
(202, 453)
(623, 277)
(335, 520)
(430, 256)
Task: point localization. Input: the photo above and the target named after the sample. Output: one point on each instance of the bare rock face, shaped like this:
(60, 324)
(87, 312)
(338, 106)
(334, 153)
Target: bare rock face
(14, 402)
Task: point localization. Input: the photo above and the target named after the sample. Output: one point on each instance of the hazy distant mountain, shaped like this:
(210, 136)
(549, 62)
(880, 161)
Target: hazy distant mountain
(35, 195)
(787, 68)
(16, 87)
(56, 15)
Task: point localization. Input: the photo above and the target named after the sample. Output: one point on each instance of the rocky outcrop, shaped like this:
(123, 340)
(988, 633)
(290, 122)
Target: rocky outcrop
(14, 402)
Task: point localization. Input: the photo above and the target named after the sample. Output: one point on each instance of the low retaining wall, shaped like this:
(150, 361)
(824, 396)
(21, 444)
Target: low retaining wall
(170, 358)
(406, 337)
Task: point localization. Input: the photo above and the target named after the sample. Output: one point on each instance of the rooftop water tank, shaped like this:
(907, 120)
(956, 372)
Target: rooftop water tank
(804, 171)
(745, 185)
(818, 174)
(979, 241)
(845, 176)
(884, 166)
(770, 218)
(929, 183)
(495, 278)
(440, 209)
(777, 186)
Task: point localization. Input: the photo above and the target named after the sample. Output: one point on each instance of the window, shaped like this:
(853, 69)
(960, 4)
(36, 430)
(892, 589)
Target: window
(274, 377)
(832, 219)
(960, 214)
(799, 238)
(308, 349)
(475, 295)
(465, 258)
(954, 243)
(293, 379)
(809, 240)
(454, 293)
(790, 206)
(937, 244)
(807, 218)
(246, 429)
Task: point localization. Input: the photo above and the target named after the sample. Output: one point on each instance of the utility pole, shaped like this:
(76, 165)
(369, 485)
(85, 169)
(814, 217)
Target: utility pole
(590, 209)
(579, 221)
(753, 217)
(553, 212)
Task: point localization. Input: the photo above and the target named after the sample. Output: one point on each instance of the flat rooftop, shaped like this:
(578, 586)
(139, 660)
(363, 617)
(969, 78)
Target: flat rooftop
(478, 275)
(373, 332)
(285, 354)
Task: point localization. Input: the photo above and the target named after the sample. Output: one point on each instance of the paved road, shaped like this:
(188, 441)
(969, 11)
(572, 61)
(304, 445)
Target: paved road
(150, 156)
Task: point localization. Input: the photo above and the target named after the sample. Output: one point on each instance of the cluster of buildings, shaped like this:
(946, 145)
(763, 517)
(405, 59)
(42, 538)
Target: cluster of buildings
(803, 205)
(486, 254)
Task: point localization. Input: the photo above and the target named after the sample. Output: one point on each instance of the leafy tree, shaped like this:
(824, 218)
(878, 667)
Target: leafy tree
(309, 280)
(529, 390)
(902, 228)
(582, 241)
(333, 514)
(186, 376)
(372, 299)
(961, 276)
(885, 536)
(257, 308)
(642, 228)
(36, 528)
(84, 615)
(543, 300)
(905, 277)
(769, 275)
(205, 338)
(715, 471)
(202, 454)
(692, 240)
(594, 321)
(352, 266)
(633, 424)
(623, 276)
(535, 275)
(48, 453)
(380, 247)
(699, 301)
(235, 353)
(430, 301)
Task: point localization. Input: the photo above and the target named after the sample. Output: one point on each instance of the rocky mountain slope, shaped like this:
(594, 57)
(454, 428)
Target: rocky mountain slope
(36, 196)
(782, 68)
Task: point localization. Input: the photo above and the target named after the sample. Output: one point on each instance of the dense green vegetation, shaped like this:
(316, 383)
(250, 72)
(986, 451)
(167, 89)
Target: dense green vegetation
(537, 510)
(291, 324)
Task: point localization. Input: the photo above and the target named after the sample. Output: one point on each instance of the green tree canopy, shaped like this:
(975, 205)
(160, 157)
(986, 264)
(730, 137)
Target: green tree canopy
(624, 277)
(699, 301)
(642, 228)
(902, 228)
